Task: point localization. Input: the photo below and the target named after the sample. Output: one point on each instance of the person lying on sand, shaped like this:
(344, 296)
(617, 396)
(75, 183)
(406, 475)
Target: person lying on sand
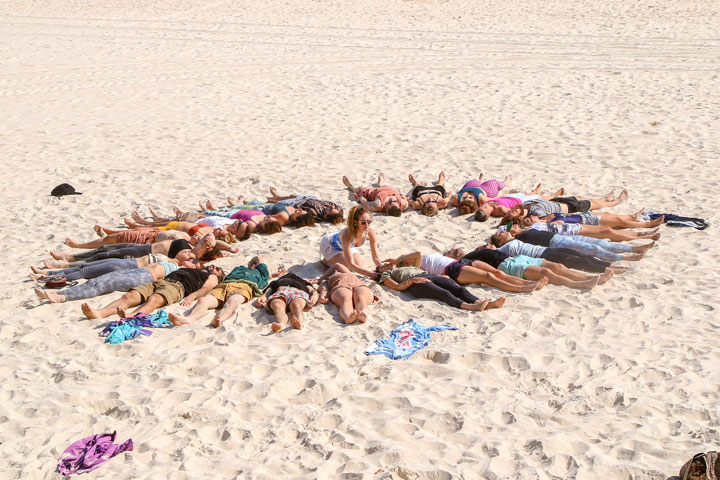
(529, 268)
(101, 267)
(288, 293)
(381, 198)
(499, 206)
(122, 280)
(428, 199)
(218, 225)
(239, 286)
(342, 247)
(474, 191)
(543, 208)
(465, 274)
(578, 229)
(321, 210)
(204, 249)
(420, 284)
(611, 220)
(283, 213)
(596, 247)
(184, 285)
(343, 288)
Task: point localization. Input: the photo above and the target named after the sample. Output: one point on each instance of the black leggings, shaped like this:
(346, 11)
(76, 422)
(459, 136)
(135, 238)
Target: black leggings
(573, 259)
(443, 289)
(117, 250)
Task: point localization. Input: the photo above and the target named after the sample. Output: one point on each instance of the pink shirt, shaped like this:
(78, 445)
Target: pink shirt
(508, 202)
(245, 215)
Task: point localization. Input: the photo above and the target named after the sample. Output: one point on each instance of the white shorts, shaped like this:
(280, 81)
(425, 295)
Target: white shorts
(327, 251)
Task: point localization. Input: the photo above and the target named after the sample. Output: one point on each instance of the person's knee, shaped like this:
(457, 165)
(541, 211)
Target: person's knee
(297, 305)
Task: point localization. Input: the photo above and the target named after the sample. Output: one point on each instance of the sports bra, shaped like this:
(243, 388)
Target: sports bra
(168, 267)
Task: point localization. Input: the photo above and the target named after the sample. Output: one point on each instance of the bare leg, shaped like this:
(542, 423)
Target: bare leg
(130, 299)
(209, 205)
(481, 176)
(363, 298)
(500, 274)
(473, 275)
(628, 221)
(349, 185)
(228, 309)
(91, 244)
(160, 218)
(343, 298)
(412, 180)
(296, 312)
(441, 178)
(599, 231)
(277, 305)
(563, 271)
(153, 302)
(381, 180)
(598, 203)
(553, 195)
(199, 309)
(478, 306)
(507, 180)
(534, 273)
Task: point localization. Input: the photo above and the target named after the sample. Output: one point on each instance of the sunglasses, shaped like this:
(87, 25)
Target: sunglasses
(365, 222)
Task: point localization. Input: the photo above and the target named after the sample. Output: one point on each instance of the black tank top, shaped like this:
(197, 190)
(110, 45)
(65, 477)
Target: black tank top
(536, 237)
(176, 246)
(190, 278)
(492, 257)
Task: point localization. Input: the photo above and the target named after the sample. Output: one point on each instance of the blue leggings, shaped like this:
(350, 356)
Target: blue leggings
(95, 269)
(110, 282)
(597, 247)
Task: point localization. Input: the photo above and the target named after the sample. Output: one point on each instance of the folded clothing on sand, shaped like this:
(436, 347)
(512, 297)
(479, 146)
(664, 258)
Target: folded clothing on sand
(672, 220)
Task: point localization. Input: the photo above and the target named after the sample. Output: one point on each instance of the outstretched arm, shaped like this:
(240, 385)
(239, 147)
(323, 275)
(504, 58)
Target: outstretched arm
(393, 285)
(375, 206)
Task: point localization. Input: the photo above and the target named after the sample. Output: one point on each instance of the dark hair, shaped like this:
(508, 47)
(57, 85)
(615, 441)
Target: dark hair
(269, 228)
(246, 234)
(211, 255)
(334, 218)
(303, 220)
(495, 239)
(221, 276)
(466, 207)
(505, 220)
(394, 211)
(481, 216)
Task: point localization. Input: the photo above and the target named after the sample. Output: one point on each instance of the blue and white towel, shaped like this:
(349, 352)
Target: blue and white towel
(672, 220)
(405, 340)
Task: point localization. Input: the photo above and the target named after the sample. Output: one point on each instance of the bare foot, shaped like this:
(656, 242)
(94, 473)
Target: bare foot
(37, 270)
(70, 243)
(363, 315)
(210, 205)
(478, 306)
(216, 321)
(40, 293)
(296, 320)
(177, 320)
(58, 264)
(89, 311)
(654, 236)
(202, 207)
(273, 192)
(346, 182)
(352, 317)
(643, 248)
(37, 276)
(178, 212)
(441, 178)
(128, 222)
(657, 221)
(121, 313)
(54, 297)
(481, 176)
(634, 257)
(496, 303)
(542, 283)
(623, 195)
(610, 196)
(381, 179)
(588, 284)
(136, 216)
(616, 268)
(276, 327)
(411, 177)
(537, 190)
(507, 180)
(602, 279)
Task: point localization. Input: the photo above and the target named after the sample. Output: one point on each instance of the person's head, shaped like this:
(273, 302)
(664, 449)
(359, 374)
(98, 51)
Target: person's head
(530, 220)
(255, 261)
(394, 211)
(196, 237)
(456, 253)
(226, 237)
(385, 267)
(467, 206)
(334, 215)
(514, 229)
(211, 254)
(500, 238)
(268, 226)
(515, 213)
(184, 255)
(215, 270)
(481, 215)
(240, 229)
(487, 246)
(430, 208)
(359, 220)
(191, 263)
(301, 218)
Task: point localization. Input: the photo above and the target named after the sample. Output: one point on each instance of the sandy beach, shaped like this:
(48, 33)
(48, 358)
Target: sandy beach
(148, 103)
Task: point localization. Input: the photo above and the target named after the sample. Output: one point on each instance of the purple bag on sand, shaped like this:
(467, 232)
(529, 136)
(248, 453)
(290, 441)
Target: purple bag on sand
(89, 453)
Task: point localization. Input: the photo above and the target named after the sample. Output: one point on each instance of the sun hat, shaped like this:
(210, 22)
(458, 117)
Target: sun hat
(64, 189)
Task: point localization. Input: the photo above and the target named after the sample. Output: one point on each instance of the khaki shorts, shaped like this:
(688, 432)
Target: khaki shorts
(225, 290)
(172, 292)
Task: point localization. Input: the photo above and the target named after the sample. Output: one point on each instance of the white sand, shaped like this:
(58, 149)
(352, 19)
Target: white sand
(141, 103)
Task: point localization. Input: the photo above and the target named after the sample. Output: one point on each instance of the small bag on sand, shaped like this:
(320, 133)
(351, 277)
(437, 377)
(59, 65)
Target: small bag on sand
(703, 466)
(56, 281)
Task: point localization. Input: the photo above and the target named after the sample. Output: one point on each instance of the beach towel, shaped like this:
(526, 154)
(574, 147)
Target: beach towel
(128, 328)
(672, 220)
(89, 453)
(405, 340)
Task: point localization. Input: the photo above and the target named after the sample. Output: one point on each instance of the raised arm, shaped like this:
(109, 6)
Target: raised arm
(454, 200)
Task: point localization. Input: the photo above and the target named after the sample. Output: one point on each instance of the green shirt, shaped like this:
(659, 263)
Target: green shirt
(258, 275)
(401, 274)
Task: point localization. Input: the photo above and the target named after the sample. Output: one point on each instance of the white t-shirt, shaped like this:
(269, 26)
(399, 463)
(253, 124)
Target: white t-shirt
(516, 247)
(435, 263)
(215, 222)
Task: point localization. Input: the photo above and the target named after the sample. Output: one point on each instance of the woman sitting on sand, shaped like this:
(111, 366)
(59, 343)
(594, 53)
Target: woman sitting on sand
(342, 247)
(321, 210)
(348, 292)
(204, 249)
(101, 267)
(288, 293)
(468, 198)
(465, 274)
(596, 247)
(529, 268)
(428, 199)
(122, 280)
(407, 276)
(382, 198)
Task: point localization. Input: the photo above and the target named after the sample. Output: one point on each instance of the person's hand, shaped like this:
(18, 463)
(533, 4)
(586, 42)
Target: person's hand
(261, 302)
(187, 301)
(419, 280)
(391, 261)
(374, 275)
(324, 300)
(235, 249)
